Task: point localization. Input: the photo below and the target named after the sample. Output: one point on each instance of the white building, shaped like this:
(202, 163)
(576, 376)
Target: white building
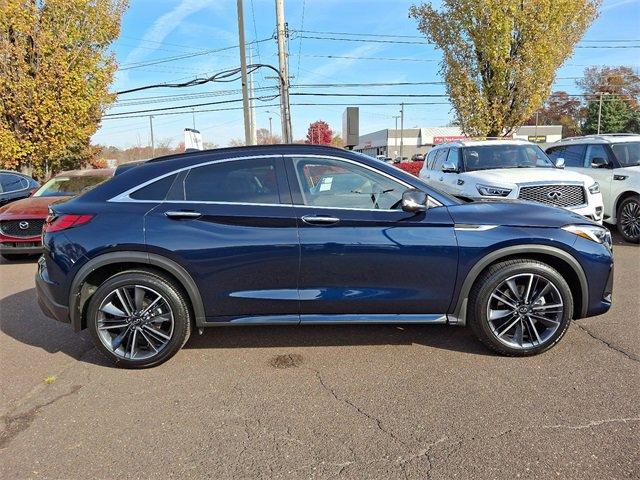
(420, 140)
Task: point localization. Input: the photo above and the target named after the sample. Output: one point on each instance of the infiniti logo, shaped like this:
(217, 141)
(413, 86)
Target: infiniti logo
(23, 225)
(555, 195)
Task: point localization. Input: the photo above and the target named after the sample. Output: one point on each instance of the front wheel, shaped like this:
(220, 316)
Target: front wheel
(139, 319)
(629, 219)
(520, 307)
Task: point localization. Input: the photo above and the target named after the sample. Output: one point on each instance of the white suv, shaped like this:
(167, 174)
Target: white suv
(471, 169)
(614, 161)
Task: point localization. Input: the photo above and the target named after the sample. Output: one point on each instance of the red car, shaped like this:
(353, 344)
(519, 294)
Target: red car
(21, 221)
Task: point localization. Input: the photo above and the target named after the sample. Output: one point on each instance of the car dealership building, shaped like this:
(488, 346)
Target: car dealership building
(420, 140)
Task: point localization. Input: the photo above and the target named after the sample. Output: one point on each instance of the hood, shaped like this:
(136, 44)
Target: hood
(501, 176)
(514, 213)
(32, 207)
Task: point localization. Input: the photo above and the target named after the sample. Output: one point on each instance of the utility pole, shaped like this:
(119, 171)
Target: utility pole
(153, 146)
(395, 133)
(281, 29)
(270, 131)
(252, 107)
(193, 114)
(401, 130)
(243, 71)
(600, 109)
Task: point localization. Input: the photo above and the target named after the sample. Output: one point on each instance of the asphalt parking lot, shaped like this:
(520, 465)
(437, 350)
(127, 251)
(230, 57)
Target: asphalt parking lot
(322, 402)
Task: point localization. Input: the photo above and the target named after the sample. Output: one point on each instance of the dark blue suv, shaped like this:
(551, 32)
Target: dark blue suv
(299, 234)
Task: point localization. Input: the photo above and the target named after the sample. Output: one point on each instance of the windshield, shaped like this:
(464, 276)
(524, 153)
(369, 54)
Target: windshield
(628, 153)
(504, 156)
(63, 186)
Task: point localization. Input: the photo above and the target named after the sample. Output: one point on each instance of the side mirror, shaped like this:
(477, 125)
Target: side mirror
(560, 162)
(448, 167)
(598, 162)
(414, 201)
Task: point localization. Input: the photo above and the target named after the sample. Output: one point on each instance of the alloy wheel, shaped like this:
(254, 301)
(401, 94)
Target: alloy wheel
(630, 219)
(135, 322)
(525, 310)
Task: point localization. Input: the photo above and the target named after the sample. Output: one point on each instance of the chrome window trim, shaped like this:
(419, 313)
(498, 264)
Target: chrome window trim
(125, 196)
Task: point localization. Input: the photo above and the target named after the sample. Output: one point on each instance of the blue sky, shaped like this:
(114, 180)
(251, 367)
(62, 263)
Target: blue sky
(157, 29)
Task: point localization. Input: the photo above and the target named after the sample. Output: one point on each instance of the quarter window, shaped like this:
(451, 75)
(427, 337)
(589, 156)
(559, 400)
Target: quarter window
(573, 155)
(236, 181)
(333, 183)
(156, 190)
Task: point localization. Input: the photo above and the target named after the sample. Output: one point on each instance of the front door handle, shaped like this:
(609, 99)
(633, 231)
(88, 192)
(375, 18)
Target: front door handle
(319, 220)
(179, 214)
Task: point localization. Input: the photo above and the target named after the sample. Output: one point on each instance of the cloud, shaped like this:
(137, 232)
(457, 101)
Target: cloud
(165, 24)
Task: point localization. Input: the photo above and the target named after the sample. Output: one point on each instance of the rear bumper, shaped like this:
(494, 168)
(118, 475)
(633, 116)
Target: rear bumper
(45, 300)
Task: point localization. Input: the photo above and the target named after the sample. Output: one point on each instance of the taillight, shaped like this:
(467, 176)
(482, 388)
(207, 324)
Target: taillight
(55, 223)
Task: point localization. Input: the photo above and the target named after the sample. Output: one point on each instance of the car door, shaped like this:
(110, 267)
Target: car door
(362, 258)
(448, 180)
(12, 187)
(598, 165)
(231, 225)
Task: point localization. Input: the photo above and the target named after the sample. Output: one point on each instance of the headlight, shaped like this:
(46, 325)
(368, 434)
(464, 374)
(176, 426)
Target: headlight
(595, 188)
(591, 232)
(490, 191)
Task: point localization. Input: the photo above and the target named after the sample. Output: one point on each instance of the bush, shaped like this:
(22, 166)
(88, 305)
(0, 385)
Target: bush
(410, 167)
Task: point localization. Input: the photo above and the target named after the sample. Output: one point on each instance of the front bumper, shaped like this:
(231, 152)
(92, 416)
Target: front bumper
(22, 247)
(45, 300)
(592, 212)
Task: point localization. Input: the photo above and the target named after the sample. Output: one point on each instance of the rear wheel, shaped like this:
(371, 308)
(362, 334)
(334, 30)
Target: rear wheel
(520, 307)
(629, 219)
(139, 319)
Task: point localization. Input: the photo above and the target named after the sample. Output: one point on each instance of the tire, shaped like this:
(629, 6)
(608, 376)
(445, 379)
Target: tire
(528, 335)
(628, 219)
(156, 335)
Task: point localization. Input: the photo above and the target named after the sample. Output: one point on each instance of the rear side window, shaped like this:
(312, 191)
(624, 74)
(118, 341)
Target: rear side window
(156, 190)
(236, 181)
(573, 154)
(12, 183)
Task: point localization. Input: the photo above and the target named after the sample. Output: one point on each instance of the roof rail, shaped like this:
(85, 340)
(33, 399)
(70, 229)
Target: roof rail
(600, 135)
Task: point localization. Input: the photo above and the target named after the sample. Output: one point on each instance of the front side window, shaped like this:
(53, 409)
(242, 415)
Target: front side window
(486, 157)
(339, 184)
(439, 160)
(452, 158)
(573, 155)
(64, 185)
(594, 152)
(237, 181)
(627, 153)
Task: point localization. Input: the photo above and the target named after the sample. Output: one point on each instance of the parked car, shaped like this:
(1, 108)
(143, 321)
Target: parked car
(14, 186)
(244, 236)
(418, 157)
(21, 221)
(510, 169)
(614, 161)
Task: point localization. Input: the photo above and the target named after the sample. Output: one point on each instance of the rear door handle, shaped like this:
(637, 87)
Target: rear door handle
(178, 214)
(319, 220)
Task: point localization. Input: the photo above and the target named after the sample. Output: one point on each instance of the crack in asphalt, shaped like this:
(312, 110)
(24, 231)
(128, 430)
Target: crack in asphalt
(376, 420)
(15, 424)
(629, 355)
(592, 423)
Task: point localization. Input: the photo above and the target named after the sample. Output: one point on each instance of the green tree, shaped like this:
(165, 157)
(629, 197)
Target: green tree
(56, 69)
(500, 57)
(614, 117)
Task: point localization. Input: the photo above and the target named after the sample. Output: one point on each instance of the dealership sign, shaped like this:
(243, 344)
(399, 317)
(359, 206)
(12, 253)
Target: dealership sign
(448, 138)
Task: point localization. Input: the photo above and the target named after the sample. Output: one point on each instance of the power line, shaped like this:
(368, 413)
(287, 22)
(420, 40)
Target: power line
(415, 42)
(304, 3)
(393, 59)
(187, 55)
